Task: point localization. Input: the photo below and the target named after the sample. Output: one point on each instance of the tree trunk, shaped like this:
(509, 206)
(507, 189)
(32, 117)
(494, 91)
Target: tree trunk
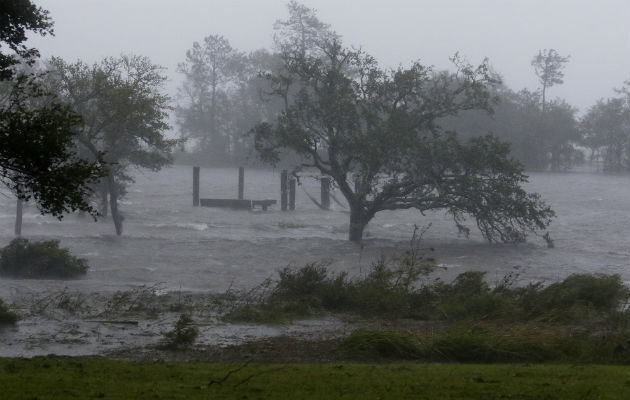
(103, 188)
(18, 217)
(555, 159)
(358, 222)
(113, 204)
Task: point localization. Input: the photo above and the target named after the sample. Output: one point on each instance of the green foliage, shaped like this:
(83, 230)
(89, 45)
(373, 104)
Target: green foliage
(400, 289)
(606, 131)
(7, 317)
(24, 259)
(377, 134)
(478, 345)
(37, 157)
(37, 132)
(389, 289)
(578, 297)
(481, 345)
(18, 17)
(125, 117)
(183, 335)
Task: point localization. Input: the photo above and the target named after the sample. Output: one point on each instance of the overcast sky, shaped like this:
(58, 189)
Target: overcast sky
(596, 33)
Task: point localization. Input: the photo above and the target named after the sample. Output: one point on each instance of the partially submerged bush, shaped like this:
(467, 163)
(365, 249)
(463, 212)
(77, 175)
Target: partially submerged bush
(24, 259)
(392, 291)
(400, 288)
(183, 334)
(7, 317)
(576, 298)
(389, 289)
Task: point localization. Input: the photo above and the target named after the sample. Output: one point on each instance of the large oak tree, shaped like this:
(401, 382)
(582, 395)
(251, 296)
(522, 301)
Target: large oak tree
(125, 114)
(376, 133)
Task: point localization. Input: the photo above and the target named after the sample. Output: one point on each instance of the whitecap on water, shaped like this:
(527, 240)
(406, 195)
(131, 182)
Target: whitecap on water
(195, 226)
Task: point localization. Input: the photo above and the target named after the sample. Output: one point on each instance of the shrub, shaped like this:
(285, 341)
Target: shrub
(577, 297)
(24, 259)
(368, 344)
(479, 345)
(394, 290)
(183, 334)
(6, 316)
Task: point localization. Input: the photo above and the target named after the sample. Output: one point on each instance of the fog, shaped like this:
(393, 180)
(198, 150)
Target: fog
(509, 33)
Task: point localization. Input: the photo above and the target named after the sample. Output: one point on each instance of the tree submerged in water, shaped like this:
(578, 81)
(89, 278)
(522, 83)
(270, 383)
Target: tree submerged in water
(377, 134)
(125, 118)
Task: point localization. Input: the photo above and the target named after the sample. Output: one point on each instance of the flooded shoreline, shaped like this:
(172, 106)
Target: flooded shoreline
(202, 252)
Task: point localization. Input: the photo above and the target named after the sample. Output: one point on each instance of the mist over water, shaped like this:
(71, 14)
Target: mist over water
(168, 241)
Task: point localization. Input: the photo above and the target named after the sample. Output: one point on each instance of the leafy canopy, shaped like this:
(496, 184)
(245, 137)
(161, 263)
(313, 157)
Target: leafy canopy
(125, 114)
(16, 18)
(37, 132)
(377, 134)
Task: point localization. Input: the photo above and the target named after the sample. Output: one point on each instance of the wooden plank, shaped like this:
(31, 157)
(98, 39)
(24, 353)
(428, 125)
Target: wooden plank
(263, 202)
(227, 203)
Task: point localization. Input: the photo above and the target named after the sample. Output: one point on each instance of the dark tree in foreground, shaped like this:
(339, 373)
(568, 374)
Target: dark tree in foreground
(16, 18)
(375, 133)
(37, 133)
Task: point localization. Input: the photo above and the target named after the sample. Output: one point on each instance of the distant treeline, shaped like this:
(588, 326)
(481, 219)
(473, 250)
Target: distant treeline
(225, 93)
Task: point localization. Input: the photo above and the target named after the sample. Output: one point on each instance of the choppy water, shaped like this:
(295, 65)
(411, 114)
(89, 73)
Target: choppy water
(168, 241)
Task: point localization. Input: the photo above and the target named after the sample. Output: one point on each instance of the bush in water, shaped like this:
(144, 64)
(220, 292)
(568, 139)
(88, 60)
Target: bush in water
(183, 334)
(24, 259)
(7, 317)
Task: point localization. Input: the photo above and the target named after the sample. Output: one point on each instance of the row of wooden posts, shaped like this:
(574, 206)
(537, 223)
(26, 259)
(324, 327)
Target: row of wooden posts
(287, 196)
(287, 193)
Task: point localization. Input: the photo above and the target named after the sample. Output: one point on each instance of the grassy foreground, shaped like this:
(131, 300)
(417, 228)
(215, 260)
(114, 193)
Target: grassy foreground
(67, 378)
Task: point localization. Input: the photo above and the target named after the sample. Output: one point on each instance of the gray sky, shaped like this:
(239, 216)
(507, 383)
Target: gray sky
(596, 33)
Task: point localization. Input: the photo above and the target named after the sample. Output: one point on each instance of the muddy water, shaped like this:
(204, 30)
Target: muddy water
(200, 250)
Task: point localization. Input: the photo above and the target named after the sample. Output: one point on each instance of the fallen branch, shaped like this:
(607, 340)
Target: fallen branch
(259, 374)
(233, 371)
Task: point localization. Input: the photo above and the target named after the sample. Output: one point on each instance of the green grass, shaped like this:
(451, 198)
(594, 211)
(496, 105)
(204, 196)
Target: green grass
(490, 344)
(62, 378)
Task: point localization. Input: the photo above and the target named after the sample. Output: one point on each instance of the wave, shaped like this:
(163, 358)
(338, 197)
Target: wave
(195, 226)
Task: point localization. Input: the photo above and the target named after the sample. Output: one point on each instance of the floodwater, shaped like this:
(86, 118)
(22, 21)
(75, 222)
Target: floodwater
(197, 249)
(178, 248)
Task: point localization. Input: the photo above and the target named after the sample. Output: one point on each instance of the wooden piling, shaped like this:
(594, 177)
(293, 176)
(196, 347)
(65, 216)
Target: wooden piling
(241, 182)
(283, 190)
(195, 186)
(292, 184)
(18, 217)
(325, 193)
